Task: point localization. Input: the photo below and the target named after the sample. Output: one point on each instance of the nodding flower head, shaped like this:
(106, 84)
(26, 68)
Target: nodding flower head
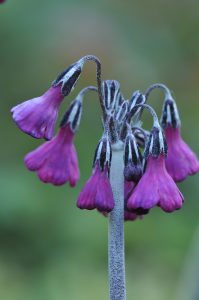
(132, 159)
(156, 187)
(56, 161)
(68, 78)
(97, 192)
(37, 116)
(181, 161)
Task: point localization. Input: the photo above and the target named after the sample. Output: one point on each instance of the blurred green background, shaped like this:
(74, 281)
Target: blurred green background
(49, 249)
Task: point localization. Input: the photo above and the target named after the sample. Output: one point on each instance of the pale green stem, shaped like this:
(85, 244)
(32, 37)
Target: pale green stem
(117, 288)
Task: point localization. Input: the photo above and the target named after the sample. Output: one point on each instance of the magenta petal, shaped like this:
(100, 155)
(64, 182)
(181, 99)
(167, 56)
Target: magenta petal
(156, 187)
(37, 116)
(56, 160)
(104, 196)
(86, 199)
(73, 167)
(129, 216)
(181, 161)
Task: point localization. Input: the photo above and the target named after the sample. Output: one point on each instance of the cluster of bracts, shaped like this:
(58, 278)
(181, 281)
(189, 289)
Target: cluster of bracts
(153, 160)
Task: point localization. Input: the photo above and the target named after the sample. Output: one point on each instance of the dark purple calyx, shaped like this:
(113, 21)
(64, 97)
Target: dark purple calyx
(136, 99)
(68, 78)
(133, 169)
(103, 154)
(156, 144)
(72, 116)
(170, 116)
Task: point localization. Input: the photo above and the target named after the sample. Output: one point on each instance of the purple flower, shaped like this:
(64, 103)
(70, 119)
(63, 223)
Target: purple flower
(37, 116)
(97, 192)
(181, 160)
(156, 187)
(56, 161)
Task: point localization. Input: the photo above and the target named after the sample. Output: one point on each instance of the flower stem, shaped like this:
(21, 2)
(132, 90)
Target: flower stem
(117, 287)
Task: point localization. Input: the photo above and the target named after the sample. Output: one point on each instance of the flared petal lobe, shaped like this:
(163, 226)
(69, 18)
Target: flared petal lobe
(86, 199)
(97, 192)
(181, 161)
(37, 117)
(55, 161)
(104, 196)
(156, 187)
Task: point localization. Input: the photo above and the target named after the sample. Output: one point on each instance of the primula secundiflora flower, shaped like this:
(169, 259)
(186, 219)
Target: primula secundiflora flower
(181, 160)
(56, 160)
(37, 117)
(148, 174)
(156, 187)
(97, 192)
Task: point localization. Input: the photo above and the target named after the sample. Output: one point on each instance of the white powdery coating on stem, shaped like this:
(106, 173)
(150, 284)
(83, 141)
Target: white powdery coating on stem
(116, 228)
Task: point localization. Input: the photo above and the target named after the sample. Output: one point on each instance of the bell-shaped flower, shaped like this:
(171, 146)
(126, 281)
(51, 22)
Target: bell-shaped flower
(97, 192)
(37, 117)
(156, 186)
(181, 160)
(56, 161)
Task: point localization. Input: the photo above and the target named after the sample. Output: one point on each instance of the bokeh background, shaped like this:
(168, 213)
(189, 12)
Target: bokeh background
(49, 249)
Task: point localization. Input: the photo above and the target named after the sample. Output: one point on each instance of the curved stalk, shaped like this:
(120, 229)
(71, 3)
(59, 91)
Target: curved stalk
(158, 86)
(99, 81)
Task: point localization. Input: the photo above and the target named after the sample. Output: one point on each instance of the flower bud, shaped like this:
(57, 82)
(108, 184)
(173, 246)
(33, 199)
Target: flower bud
(103, 153)
(132, 159)
(111, 93)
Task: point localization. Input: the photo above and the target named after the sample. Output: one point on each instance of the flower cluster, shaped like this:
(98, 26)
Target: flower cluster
(153, 160)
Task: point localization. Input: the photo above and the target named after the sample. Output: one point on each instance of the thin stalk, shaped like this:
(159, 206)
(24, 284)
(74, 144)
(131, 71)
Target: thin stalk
(117, 288)
(159, 86)
(99, 80)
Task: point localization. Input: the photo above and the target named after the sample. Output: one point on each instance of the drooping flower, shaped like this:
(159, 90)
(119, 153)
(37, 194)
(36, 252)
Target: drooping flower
(56, 161)
(156, 186)
(37, 117)
(181, 161)
(97, 192)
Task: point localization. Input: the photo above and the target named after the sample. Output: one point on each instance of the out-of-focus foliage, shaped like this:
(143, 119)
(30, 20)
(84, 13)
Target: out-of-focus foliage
(48, 248)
